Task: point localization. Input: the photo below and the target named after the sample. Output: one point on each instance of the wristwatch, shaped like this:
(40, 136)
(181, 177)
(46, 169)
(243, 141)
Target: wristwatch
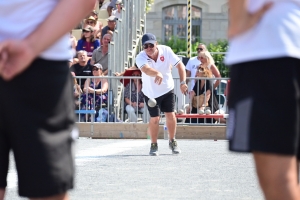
(182, 82)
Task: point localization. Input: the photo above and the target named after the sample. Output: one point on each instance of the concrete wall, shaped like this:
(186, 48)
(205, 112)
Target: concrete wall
(214, 18)
(139, 131)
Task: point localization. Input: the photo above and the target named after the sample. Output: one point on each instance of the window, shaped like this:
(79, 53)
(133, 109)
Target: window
(175, 22)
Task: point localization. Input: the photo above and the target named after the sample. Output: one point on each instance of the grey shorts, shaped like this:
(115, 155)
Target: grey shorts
(264, 107)
(36, 121)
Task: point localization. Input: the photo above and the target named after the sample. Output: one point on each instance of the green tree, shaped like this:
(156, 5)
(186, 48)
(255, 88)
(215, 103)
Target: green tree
(179, 46)
(148, 4)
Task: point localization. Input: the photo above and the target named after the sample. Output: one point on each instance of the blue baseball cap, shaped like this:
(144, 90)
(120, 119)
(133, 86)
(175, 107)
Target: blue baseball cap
(148, 38)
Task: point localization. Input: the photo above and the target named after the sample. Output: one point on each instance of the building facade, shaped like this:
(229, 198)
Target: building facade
(168, 18)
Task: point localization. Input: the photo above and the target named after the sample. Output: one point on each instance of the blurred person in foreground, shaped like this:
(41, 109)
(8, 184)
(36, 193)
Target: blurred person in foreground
(42, 138)
(264, 113)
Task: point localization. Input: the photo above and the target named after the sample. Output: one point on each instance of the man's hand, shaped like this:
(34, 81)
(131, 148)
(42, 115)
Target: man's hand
(241, 20)
(141, 105)
(158, 78)
(15, 57)
(184, 89)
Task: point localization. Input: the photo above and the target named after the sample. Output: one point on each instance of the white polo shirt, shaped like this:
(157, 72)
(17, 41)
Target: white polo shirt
(18, 18)
(192, 65)
(165, 61)
(277, 34)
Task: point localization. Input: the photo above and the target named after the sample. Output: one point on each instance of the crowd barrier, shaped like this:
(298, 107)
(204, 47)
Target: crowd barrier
(113, 106)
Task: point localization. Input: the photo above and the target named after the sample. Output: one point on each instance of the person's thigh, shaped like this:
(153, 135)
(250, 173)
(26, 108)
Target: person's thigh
(277, 175)
(39, 119)
(153, 111)
(264, 106)
(168, 102)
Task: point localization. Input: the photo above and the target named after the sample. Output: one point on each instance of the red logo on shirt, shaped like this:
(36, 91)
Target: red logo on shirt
(162, 58)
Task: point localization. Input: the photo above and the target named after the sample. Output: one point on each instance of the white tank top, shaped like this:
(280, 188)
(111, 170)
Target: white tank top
(18, 18)
(276, 35)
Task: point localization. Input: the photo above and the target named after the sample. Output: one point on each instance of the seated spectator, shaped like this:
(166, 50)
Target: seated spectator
(111, 26)
(207, 61)
(77, 92)
(201, 97)
(88, 42)
(100, 55)
(95, 94)
(111, 7)
(105, 4)
(98, 27)
(93, 22)
(82, 68)
(118, 12)
(134, 97)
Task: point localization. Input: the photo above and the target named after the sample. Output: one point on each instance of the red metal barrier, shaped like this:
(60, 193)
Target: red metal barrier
(201, 116)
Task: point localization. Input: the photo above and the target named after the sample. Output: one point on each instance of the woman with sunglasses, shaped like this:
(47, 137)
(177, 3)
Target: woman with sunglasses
(192, 65)
(134, 97)
(88, 42)
(207, 61)
(95, 94)
(202, 87)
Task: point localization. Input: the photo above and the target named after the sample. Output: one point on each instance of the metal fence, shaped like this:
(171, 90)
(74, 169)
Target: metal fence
(115, 110)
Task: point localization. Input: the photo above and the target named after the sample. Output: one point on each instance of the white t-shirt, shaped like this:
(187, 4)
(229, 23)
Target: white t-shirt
(165, 61)
(277, 34)
(192, 65)
(117, 14)
(18, 18)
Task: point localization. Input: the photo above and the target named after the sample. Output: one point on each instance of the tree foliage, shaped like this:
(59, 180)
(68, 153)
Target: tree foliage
(179, 46)
(148, 5)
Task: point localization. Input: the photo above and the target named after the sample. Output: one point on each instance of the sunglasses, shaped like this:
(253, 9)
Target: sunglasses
(90, 22)
(145, 46)
(86, 31)
(136, 75)
(95, 69)
(199, 49)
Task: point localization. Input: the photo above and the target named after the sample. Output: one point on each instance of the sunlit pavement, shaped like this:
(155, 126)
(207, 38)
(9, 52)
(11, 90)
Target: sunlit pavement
(122, 169)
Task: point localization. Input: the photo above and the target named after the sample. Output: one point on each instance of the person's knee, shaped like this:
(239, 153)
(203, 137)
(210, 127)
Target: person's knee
(129, 109)
(155, 120)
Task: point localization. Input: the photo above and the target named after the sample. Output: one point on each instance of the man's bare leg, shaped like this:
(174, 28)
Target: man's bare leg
(153, 128)
(2, 192)
(277, 176)
(171, 124)
(56, 197)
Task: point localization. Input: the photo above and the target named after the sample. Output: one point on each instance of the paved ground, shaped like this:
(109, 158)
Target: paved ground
(122, 169)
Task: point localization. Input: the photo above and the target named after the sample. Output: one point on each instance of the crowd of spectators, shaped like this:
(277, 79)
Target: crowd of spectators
(91, 59)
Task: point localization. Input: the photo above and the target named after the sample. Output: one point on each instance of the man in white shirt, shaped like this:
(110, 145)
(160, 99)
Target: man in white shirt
(42, 136)
(118, 12)
(191, 66)
(156, 62)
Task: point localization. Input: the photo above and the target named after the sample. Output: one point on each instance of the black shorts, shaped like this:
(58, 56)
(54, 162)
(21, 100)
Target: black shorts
(164, 103)
(36, 121)
(264, 107)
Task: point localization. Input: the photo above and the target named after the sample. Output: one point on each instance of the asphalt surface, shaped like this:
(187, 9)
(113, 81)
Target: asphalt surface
(122, 169)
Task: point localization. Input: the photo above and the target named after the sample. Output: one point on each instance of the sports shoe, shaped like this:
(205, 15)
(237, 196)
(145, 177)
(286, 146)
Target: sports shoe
(153, 149)
(174, 147)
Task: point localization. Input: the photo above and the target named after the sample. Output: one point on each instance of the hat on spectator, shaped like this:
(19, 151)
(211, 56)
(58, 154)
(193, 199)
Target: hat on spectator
(112, 18)
(148, 38)
(98, 65)
(91, 18)
(118, 2)
(88, 28)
